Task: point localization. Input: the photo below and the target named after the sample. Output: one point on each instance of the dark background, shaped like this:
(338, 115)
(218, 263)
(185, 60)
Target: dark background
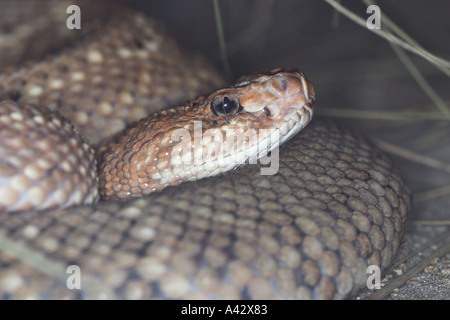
(347, 63)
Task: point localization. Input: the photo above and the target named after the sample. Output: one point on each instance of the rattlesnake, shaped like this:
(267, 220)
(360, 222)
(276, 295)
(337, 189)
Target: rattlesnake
(336, 205)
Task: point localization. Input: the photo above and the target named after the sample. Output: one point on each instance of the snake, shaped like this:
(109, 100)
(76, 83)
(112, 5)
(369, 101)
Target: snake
(89, 180)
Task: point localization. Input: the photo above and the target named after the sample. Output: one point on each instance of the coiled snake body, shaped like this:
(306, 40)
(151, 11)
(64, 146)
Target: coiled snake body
(335, 206)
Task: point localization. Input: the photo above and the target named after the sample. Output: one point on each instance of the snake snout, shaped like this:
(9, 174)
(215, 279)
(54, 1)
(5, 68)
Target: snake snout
(285, 89)
(291, 102)
(287, 84)
(291, 94)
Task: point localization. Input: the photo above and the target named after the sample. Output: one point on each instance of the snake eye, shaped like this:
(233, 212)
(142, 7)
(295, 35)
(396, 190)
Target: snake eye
(222, 105)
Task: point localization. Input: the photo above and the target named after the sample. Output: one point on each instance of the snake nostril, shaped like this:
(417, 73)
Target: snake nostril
(283, 84)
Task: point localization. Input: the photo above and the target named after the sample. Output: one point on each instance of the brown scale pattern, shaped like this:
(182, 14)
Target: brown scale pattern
(44, 162)
(32, 29)
(123, 71)
(335, 207)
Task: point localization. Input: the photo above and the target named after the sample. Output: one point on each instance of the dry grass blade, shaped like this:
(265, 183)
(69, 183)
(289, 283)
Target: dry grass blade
(381, 115)
(258, 23)
(442, 64)
(222, 41)
(432, 194)
(420, 79)
(412, 156)
(431, 223)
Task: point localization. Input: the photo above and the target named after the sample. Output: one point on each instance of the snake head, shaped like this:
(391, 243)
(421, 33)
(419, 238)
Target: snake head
(282, 99)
